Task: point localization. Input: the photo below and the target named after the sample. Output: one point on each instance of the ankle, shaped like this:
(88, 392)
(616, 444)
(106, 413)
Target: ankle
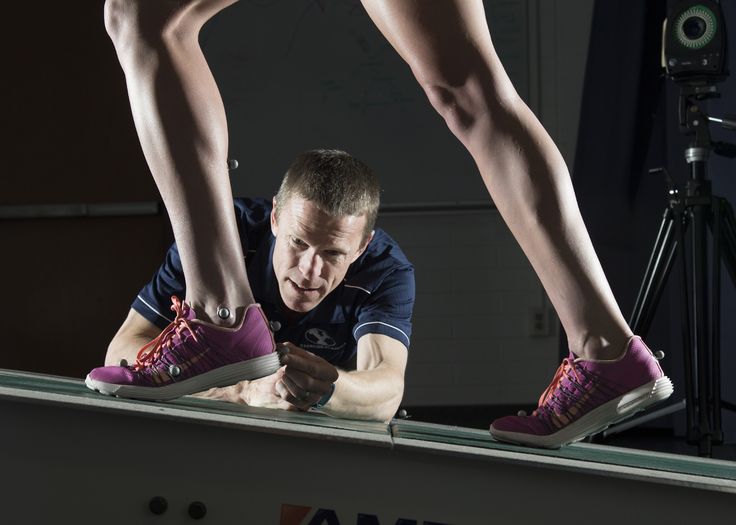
(600, 347)
(221, 314)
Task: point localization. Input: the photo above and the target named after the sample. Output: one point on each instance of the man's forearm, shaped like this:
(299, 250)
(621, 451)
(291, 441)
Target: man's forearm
(371, 394)
(125, 348)
(135, 332)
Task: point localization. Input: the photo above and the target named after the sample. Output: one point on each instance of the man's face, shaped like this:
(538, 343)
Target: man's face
(313, 251)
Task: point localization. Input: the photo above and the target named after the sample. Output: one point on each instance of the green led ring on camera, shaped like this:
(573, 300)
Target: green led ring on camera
(705, 14)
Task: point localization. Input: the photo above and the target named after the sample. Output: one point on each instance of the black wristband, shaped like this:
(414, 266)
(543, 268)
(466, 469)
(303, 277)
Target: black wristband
(325, 398)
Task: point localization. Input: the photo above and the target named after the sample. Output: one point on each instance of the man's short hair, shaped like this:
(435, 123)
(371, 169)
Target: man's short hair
(338, 183)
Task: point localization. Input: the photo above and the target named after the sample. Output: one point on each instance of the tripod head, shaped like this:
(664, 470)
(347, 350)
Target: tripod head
(694, 121)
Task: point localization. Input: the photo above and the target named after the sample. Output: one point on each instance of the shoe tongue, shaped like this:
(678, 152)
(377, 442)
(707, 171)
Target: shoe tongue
(187, 312)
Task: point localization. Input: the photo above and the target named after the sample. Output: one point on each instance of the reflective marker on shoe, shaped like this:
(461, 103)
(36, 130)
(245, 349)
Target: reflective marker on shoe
(587, 396)
(190, 356)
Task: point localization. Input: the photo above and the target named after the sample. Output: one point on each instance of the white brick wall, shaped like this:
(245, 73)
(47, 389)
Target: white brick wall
(471, 341)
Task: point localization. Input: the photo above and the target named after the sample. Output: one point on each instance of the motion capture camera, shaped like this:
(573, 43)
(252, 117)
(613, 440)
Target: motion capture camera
(694, 42)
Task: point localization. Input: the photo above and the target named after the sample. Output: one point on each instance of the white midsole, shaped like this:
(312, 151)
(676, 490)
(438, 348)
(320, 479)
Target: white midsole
(598, 419)
(223, 376)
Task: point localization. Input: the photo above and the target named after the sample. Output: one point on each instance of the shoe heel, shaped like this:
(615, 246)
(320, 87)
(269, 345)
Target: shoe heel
(645, 396)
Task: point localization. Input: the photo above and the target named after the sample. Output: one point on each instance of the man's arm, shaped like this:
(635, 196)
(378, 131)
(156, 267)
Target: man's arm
(373, 391)
(135, 332)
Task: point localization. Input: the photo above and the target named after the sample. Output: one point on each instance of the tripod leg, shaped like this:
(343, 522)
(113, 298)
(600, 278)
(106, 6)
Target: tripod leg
(715, 340)
(658, 268)
(700, 322)
(728, 255)
(687, 341)
(728, 238)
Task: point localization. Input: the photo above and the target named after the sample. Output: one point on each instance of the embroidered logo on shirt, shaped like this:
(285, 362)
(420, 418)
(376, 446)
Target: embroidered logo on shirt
(320, 338)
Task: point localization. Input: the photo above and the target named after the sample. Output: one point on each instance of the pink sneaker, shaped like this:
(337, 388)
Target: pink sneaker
(587, 396)
(191, 356)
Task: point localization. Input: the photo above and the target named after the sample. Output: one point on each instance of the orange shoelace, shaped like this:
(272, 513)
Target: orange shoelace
(565, 369)
(152, 350)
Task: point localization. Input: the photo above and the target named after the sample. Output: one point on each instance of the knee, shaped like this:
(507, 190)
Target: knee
(123, 21)
(452, 104)
(466, 95)
(132, 24)
(115, 17)
(461, 106)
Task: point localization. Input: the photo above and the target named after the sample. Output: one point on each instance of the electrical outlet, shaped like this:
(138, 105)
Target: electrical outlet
(539, 322)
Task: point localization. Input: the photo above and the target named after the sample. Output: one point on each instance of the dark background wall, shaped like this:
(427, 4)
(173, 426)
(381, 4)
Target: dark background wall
(68, 138)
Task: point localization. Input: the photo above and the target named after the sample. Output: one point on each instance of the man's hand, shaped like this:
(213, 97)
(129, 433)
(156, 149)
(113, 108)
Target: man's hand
(298, 385)
(306, 377)
(256, 393)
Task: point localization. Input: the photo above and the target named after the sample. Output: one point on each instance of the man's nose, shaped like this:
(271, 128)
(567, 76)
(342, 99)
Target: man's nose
(310, 264)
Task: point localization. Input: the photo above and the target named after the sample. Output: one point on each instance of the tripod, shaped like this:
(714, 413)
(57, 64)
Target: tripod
(697, 211)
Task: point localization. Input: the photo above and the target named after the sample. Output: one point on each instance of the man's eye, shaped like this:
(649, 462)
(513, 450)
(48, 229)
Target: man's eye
(298, 242)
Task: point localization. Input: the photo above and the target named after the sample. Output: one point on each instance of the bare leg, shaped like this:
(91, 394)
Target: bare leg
(180, 119)
(448, 46)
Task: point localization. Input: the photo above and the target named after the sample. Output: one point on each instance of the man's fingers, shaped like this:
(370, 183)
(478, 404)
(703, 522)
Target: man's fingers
(310, 364)
(298, 397)
(306, 377)
(303, 395)
(306, 383)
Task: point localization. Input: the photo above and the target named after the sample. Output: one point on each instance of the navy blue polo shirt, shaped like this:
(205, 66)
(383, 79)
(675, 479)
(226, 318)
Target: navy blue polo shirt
(376, 296)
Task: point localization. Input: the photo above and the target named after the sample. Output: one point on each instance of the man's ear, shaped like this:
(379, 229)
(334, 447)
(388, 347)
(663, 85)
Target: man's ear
(274, 221)
(365, 245)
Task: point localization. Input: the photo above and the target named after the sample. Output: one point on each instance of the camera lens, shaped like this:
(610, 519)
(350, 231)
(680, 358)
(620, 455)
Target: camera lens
(694, 27)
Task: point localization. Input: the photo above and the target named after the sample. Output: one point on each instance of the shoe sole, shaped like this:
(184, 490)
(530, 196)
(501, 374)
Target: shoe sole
(223, 376)
(596, 420)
